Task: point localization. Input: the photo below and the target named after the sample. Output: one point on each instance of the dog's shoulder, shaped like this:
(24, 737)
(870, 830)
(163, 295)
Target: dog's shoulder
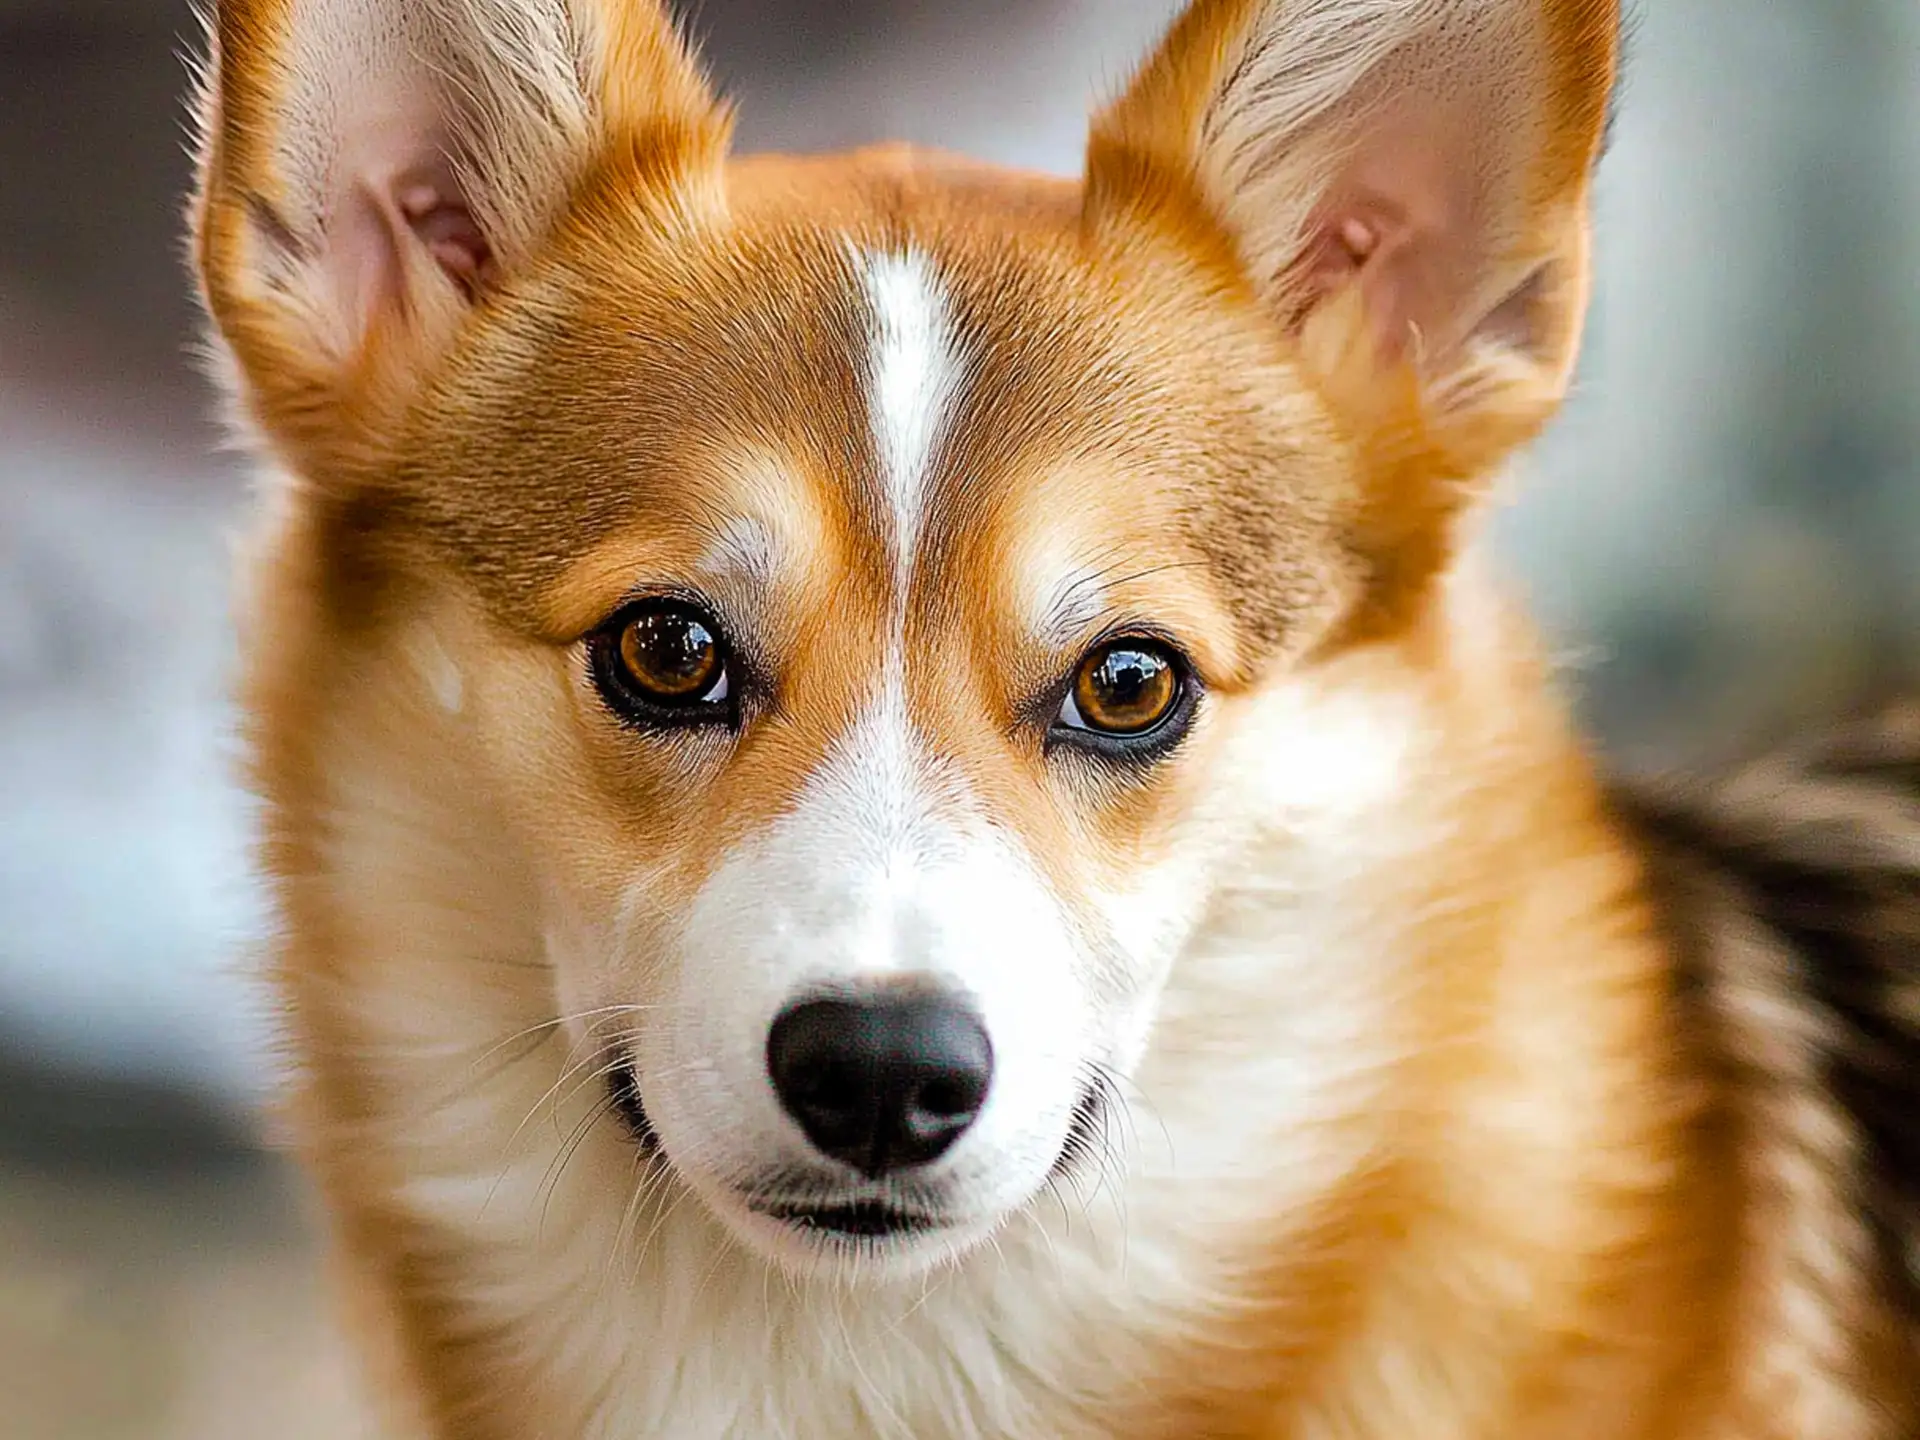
(1790, 892)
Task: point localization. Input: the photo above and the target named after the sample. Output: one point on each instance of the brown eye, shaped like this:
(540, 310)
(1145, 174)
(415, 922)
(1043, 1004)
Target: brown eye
(1126, 688)
(663, 656)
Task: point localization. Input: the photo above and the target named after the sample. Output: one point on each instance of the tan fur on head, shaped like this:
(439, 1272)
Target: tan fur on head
(1324, 1070)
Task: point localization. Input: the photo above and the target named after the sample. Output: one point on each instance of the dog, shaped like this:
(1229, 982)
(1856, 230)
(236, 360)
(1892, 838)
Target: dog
(899, 805)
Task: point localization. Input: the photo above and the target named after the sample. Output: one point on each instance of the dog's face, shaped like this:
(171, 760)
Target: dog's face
(874, 591)
(877, 642)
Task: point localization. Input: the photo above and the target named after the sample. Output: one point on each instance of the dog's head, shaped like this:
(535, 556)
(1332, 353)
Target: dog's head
(876, 593)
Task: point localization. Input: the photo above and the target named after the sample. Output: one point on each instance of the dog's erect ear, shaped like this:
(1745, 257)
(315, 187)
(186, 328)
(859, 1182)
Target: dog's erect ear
(369, 169)
(1408, 174)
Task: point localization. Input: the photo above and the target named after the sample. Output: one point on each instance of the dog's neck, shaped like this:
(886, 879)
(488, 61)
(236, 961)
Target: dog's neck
(1474, 1164)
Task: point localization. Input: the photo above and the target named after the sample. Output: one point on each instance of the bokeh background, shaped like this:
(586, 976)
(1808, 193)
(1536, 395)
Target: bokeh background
(1723, 536)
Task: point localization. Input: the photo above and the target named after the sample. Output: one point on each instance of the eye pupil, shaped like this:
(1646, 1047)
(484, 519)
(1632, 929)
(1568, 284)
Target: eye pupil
(670, 653)
(1126, 689)
(1125, 676)
(663, 656)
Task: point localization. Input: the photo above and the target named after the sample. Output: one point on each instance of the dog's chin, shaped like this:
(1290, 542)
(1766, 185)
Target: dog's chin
(806, 1224)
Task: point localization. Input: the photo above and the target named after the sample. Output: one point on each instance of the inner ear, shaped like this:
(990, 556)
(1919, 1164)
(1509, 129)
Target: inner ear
(1369, 241)
(402, 226)
(429, 202)
(1409, 214)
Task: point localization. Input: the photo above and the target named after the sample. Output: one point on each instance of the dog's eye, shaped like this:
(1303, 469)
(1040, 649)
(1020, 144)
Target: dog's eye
(1126, 689)
(663, 662)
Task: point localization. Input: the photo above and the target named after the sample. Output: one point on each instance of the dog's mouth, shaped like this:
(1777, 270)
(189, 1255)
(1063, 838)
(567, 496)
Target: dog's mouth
(851, 1220)
(864, 1218)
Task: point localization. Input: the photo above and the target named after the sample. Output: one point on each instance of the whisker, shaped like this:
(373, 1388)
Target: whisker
(551, 1181)
(654, 1183)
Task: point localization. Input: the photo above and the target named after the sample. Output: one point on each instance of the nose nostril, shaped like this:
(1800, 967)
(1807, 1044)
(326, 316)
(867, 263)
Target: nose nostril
(947, 1099)
(881, 1084)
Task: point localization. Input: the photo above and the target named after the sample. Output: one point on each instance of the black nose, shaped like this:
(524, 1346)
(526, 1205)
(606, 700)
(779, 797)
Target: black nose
(882, 1084)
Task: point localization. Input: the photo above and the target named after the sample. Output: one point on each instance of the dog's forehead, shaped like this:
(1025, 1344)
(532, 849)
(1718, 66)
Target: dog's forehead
(890, 383)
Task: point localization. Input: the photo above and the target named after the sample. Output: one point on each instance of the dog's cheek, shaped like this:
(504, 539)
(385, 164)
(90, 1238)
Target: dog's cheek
(1148, 918)
(603, 951)
(721, 961)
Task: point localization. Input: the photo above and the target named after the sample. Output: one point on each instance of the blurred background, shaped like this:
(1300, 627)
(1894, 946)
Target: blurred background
(1723, 535)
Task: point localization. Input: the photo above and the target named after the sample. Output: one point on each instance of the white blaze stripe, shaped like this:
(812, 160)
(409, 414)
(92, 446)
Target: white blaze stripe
(913, 376)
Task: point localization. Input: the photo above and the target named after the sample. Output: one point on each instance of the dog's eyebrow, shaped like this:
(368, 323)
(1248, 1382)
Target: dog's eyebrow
(742, 551)
(1080, 597)
(1070, 605)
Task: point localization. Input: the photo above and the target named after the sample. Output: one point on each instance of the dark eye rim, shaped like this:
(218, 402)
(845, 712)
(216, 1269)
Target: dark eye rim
(1137, 747)
(637, 708)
